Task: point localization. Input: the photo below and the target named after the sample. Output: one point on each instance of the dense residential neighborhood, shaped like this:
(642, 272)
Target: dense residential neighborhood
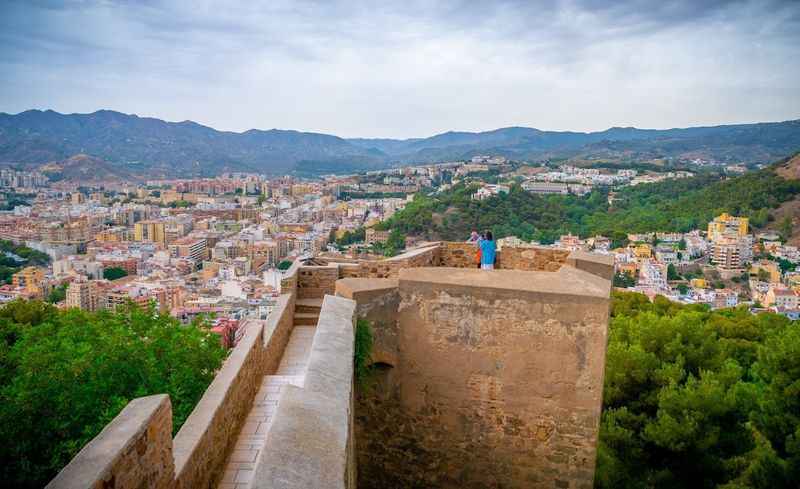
(216, 247)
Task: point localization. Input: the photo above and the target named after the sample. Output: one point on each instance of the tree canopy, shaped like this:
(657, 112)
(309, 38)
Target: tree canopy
(699, 398)
(671, 205)
(113, 273)
(14, 257)
(65, 374)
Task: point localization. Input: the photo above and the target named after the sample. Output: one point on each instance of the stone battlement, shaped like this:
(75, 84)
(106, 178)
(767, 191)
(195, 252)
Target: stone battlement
(498, 373)
(317, 280)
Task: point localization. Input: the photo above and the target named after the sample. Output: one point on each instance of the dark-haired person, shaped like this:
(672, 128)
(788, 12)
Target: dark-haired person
(488, 251)
(475, 239)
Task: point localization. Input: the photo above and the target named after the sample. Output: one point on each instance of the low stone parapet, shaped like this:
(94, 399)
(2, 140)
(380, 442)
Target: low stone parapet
(377, 301)
(596, 264)
(133, 451)
(206, 438)
(137, 450)
(310, 441)
(314, 282)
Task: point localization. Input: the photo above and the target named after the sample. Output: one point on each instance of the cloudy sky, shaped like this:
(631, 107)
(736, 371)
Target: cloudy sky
(407, 68)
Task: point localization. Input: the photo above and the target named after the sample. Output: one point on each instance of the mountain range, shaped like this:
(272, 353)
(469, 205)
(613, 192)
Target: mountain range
(131, 146)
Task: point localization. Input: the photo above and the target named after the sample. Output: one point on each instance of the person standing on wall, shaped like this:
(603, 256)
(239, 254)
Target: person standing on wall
(476, 238)
(488, 251)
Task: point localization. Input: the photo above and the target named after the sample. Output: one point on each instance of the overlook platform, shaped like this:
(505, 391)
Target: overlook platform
(498, 373)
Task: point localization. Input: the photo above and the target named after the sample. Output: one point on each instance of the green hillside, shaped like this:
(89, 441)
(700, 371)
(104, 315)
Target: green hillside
(674, 205)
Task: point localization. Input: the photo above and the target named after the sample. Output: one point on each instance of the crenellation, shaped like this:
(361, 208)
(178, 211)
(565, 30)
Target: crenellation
(486, 379)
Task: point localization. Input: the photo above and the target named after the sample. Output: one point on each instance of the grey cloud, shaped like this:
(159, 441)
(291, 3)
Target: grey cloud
(409, 68)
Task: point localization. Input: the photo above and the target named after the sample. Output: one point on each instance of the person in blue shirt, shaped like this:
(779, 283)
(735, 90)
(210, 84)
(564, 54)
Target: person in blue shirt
(488, 251)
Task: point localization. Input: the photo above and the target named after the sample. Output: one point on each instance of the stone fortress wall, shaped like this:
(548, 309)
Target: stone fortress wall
(493, 379)
(487, 379)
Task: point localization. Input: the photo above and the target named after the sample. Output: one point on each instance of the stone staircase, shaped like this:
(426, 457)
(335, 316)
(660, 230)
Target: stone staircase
(240, 466)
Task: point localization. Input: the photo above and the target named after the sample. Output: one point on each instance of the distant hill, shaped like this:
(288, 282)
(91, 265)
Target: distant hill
(147, 147)
(790, 210)
(83, 167)
(153, 147)
(765, 196)
(748, 143)
(790, 169)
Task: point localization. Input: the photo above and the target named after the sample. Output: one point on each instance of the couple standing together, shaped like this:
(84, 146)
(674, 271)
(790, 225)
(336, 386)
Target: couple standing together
(487, 249)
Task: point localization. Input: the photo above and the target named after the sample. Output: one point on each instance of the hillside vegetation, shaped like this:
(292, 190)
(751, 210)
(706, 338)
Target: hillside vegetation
(699, 398)
(674, 205)
(64, 374)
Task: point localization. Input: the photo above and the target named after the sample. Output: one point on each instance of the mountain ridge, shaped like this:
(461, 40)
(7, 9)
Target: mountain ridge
(158, 148)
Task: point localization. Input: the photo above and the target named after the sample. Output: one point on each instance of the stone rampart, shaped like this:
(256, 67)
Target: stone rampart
(531, 259)
(494, 379)
(290, 277)
(465, 255)
(378, 300)
(314, 282)
(206, 439)
(503, 372)
(497, 378)
(133, 451)
(390, 267)
(310, 438)
(458, 255)
(198, 453)
(600, 265)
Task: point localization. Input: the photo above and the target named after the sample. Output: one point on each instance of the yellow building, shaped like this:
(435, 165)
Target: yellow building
(727, 225)
(113, 235)
(149, 231)
(300, 189)
(643, 250)
(31, 279)
(698, 283)
(770, 268)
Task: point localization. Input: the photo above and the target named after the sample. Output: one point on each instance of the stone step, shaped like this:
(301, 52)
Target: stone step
(306, 318)
(308, 305)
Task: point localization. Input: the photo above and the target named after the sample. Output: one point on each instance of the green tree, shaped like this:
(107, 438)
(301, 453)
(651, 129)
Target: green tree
(362, 349)
(672, 272)
(58, 294)
(113, 273)
(778, 416)
(284, 265)
(394, 244)
(624, 280)
(786, 227)
(698, 398)
(350, 237)
(180, 204)
(672, 205)
(68, 373)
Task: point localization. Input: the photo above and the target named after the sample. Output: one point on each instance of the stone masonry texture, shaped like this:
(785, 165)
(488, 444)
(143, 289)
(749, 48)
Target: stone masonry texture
(134, 451)
(481, 379)
(509, 379)
(497, 381)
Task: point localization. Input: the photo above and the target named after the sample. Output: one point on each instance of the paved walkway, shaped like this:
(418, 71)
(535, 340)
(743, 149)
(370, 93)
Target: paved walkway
(241, 465)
